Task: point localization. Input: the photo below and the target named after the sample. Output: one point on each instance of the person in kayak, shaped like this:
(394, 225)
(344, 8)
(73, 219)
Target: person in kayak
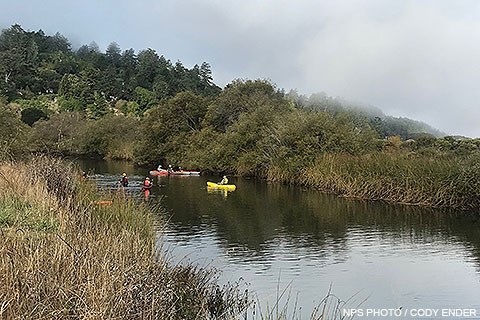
(159, 168)
(224, 180)
(147, 186)
(124, 180)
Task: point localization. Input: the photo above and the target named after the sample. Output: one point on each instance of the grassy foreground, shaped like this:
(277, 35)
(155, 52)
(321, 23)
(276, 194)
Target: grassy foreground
(63, 256)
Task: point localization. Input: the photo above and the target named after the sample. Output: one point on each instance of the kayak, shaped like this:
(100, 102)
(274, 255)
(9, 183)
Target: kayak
(155, 173)
(185, 173)
(228, 187)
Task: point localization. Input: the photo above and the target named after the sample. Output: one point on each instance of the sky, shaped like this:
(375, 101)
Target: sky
(411, 58)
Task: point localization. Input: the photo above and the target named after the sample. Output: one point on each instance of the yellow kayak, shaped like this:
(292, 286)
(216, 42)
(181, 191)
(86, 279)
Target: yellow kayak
(213, 185)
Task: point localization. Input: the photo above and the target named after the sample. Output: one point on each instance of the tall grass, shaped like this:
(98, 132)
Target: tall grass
(96, 262)
(444, 182)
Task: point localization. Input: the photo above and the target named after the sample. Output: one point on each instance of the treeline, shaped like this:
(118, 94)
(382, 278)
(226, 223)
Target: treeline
(35, 66)
(250, 127)
(384, 125)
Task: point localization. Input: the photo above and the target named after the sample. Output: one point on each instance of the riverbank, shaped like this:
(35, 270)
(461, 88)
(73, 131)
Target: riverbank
(404, 178)
(65, 255)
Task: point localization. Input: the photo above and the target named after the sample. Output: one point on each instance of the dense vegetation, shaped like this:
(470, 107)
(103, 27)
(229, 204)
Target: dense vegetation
(144, 108)
(66, 256)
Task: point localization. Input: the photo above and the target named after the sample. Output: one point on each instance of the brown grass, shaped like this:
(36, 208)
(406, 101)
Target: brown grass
(95, 262)
(441, 182)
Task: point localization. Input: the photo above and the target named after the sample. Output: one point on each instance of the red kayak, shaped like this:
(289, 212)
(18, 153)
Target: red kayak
(155, 173)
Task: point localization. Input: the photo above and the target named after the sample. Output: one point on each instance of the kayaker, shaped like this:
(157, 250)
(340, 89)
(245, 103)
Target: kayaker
(124, 180)
(147, 186)
(159, 168)
(224, 180)
(170, 168)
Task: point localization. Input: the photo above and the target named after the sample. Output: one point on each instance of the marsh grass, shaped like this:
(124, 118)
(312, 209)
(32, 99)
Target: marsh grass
(65, 256)
(442, 182)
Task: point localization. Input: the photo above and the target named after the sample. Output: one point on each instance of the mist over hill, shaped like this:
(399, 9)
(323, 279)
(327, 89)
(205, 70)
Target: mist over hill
(44, 72)
(401, 126)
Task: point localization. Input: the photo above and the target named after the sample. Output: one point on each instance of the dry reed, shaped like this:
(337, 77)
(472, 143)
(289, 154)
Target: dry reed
(398, 178)
(96, 262)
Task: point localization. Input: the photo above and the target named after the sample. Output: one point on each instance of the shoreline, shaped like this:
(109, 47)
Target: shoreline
(67, 257)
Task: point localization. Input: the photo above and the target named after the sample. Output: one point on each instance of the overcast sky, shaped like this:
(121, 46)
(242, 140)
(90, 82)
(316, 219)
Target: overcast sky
(419, 59)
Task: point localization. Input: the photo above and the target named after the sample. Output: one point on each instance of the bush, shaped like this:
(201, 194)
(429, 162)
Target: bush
(32, 115)
(13, 134)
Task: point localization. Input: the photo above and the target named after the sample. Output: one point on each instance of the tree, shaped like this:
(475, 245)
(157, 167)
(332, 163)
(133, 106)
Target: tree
(18, 60)
(187, 111)
(239, 97)
(206, 80)
(81, 86)
(128, 70)
(98, 107)
(58, 43)
(113, 54)
(145, 98)
(61, 133)
(13, 134)
(148, 68)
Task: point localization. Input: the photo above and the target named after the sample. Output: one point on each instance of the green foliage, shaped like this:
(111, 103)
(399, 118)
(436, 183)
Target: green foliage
(71, 133)
(145, 99)
(206, 151)
(248, 140)
(98, 108)
(239, 97)
(165, 127)
(111, 137)
(130, 108)
(32, 63)
(45, 102)
(60, 134)
(18, 59)
(460, 147)
(18, 213)
(13, 134)
(76, 87)
(70, 104)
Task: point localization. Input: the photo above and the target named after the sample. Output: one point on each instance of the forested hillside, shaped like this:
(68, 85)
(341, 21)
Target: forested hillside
(42, 75)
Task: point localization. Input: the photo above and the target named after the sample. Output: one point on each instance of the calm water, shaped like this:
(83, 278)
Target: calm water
(276, 237)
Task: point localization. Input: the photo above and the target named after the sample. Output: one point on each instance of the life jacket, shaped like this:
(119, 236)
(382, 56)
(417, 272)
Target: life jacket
(124, 181)
(147, 184)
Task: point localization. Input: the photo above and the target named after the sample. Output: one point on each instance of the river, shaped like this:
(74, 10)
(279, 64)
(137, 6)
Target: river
(275, 238)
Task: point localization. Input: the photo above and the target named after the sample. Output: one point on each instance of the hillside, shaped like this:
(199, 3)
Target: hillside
(43, 72)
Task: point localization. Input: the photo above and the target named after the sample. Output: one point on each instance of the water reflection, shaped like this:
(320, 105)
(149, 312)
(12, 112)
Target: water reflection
(395, 255)
(260, 212)
(222, 192)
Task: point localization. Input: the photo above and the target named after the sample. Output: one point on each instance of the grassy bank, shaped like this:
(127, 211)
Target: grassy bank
(63, 256)
(443, 182)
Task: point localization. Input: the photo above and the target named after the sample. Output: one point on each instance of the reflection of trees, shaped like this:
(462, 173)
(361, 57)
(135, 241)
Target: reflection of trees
(252, 218)
(259, 216)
